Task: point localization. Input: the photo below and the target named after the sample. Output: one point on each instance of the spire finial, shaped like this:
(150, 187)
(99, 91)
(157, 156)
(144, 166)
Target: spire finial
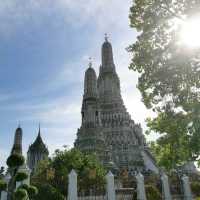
(106, 37)
(39, 129)
(90, 62)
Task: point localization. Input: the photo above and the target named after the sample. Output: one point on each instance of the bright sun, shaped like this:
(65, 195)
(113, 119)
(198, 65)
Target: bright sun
(190, 33)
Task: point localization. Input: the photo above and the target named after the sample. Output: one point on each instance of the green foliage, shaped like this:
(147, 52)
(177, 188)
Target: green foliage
(152, 193)
(169, 77)
(3, 185)
(195, 187)
(2, 169)
(55, 172)
(169, 150)
(32, 191)
(24, 186)
(46, 191)
(20, 194)
(20, 176)
(15, 160)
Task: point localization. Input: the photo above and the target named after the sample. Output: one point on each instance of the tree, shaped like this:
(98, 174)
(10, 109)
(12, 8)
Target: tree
(54, 173)
(2, 170)
(47, 191)
(169, 76)
(152, 192)
(14, 162)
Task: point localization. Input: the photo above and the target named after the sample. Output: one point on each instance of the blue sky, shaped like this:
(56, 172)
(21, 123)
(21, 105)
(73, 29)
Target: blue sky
(44, 51)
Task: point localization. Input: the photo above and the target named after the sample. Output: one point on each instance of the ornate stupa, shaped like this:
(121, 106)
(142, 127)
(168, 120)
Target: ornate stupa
(90, 135)
(17, 146)
(36, 152)
(107, 128)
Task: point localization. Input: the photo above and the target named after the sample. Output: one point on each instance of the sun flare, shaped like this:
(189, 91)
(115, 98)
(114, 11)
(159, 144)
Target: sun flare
(190, 33)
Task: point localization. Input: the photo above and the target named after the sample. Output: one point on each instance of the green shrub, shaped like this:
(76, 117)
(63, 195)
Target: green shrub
(3, 185)
(20, 176)
(20, 194)
(152, 192)
(24, 186)
(15, 160)
(32, 191)
(46, 191)
(195, 187)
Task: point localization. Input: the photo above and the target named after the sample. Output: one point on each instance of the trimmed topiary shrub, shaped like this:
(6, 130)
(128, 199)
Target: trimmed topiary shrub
(32, 191)
(20, 176)
(15, 160)
(3, 185)
(24, 186)
(152, 192)
(20, 194)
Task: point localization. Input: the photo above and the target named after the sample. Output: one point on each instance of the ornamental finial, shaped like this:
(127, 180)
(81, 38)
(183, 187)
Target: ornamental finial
(19, 125)
(106, 37)
(90, 62)
(39, 129)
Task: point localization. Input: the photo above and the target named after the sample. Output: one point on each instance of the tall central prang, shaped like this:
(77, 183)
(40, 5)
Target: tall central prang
(107, 128)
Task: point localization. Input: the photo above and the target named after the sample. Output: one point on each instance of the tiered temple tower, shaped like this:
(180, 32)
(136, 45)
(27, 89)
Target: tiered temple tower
(17, 149)
(103, 110)
(36, 152)
(17, 146)
(90, 135)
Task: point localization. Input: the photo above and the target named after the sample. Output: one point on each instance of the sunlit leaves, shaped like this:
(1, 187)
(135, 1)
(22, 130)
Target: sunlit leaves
(169, 75)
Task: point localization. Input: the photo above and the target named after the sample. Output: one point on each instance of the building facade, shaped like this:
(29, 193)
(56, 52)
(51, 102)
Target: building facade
(107, 128)
(36, 152)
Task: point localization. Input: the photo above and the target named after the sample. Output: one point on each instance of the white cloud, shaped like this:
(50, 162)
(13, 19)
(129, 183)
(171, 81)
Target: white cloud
(105, 14)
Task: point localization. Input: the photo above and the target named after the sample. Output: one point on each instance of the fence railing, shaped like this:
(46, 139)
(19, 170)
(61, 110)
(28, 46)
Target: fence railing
(113, 194)
(122, 194)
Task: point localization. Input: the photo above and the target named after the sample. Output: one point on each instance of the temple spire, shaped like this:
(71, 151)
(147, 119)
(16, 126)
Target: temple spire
(90, 82)
(39, 131)
(17, 146)
(107, 54)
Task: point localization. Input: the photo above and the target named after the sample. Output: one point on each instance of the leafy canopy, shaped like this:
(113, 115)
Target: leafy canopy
(169, 74)
(55, 172)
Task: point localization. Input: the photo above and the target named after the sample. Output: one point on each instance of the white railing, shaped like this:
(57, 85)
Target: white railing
(112, 194)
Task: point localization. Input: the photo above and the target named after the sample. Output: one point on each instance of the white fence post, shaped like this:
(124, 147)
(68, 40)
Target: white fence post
(72, 186)
(141, 194)
(165, 187)
(110, 187)
(4, 195)
(186, 188)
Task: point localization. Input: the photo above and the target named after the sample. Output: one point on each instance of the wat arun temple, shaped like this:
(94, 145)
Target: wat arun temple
(107, 129)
